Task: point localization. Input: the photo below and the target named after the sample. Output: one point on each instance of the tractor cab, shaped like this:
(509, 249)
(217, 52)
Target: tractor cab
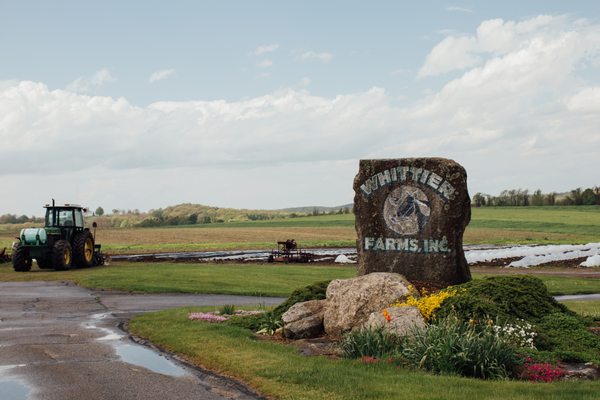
(66, 220)
(64, 216)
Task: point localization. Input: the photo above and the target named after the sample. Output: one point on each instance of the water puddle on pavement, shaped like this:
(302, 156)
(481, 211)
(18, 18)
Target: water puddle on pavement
(138, 355)
(11, 388)
(131, 353)
(109, 333)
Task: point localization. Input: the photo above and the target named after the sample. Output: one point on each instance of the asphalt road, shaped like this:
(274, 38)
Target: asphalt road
(61, 342)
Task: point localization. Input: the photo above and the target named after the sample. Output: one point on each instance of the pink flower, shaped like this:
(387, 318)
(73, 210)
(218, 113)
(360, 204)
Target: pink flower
(208, 317)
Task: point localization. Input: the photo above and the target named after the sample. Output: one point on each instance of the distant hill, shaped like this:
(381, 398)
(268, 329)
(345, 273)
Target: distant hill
(192, 214)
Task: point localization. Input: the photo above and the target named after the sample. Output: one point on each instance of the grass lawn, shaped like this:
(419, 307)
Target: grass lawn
(279, 371)
(242, 279)
(239, 279)
(557, 224)
(589, 308)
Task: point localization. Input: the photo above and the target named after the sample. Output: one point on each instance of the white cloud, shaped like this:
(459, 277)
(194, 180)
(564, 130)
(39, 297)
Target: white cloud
(494, 37)
(304, 82)
(585, 101)
(450, 54)
(400, 72)
(312, 55)
(459, 9)
(263, 75)
(85, 84)
(265, 48)
(160, 75)
(35, 119)
(265, 64)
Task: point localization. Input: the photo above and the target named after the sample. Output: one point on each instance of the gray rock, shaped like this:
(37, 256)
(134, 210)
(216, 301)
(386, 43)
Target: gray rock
(304, 320)
(411, 214)
(351, 301)
(579, 371)
(402, 320)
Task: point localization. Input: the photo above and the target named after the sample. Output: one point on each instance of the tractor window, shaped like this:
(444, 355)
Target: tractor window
(65, 218)
(78, 219)
(50, 217)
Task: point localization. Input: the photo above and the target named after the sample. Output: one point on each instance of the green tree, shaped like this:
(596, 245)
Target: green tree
(537, 198)
(193, 218)
(550, 199)
(478, 200)
(99, 211)
(588, 197)
(22, 219)
(576, 197)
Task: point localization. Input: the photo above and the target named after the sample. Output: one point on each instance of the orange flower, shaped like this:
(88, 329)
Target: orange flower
(387, 315)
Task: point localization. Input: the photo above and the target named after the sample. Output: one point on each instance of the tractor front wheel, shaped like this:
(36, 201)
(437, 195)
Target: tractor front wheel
(62, 255)
(83, 249)
(21, 260)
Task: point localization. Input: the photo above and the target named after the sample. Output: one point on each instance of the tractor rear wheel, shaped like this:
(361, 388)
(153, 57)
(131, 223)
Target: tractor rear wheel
(83, 249)
(21, 260)
(62, 255)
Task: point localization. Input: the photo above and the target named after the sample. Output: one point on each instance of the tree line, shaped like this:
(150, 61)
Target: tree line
(522, 197)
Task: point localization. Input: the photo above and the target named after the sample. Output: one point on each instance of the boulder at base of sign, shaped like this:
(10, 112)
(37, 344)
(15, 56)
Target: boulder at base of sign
(351, 301)
(303, 320)
(399, 321)
(411, 214)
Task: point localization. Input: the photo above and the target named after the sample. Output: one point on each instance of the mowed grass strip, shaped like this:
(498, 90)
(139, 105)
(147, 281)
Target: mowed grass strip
(279, 371)
(556, 224)
(209, 278)
(588, 308)
(240, 279)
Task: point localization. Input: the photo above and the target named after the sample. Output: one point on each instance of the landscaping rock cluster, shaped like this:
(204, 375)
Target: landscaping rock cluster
(353, 304)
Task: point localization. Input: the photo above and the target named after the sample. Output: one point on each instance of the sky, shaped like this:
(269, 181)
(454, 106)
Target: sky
(271, 104)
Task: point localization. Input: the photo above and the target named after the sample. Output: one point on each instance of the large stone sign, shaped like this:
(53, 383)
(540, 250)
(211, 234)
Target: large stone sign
(411, 214)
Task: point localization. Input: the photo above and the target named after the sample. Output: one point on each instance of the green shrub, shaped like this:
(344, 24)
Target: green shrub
(504, 298)
(451, 346)
(269, 320)
(251, 322)
(370, 342)
(568, 337)
(560, 331)
(227, 309)
(316, 291)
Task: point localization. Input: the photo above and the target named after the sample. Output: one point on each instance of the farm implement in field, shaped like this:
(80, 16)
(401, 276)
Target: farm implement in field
(4, 258)
(288, 252)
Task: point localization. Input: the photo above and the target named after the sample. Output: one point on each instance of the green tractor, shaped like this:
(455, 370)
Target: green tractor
(62, 243)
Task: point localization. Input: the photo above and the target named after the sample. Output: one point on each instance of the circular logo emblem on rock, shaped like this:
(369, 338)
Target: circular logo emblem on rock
(406, 210)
